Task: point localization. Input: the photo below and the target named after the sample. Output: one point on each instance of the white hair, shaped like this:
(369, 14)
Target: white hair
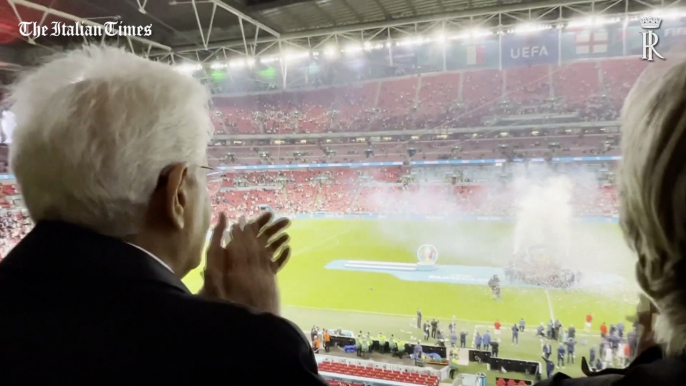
(653, 196)
(95, 127)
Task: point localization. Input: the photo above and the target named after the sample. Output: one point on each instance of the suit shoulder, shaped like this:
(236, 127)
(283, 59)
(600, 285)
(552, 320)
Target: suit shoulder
(233, 325)
(603, 380)
(243, 320)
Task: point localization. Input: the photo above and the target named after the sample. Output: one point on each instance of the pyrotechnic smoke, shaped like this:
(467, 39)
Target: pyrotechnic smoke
(545, 204)
(543, 214)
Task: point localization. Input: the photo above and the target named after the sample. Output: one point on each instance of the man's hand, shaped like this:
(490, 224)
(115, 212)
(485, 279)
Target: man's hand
(244, 271)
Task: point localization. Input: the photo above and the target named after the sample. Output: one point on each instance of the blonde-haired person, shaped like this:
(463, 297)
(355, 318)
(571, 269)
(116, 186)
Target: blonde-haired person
(652, 182)
(109, 151)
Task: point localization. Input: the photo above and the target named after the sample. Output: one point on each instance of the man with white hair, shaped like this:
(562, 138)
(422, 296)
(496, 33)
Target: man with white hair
(653, 218)
(109, 151)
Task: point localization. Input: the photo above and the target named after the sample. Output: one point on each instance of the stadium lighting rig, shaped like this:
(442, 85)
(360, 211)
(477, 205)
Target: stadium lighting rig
(259, 43)
(594, 21)
(332, 50)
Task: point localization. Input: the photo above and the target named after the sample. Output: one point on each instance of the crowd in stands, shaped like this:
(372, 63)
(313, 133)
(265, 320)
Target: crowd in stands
(14, 220)
(389, 191)
(468, 147)
(451, 99)
(570, 94)
(593, 90)
(13, 227)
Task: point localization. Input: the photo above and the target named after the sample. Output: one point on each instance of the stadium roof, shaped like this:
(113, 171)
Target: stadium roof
(198, 30)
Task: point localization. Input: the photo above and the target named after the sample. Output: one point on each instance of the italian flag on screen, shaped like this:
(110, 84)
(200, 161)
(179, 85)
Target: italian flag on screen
(476, 54)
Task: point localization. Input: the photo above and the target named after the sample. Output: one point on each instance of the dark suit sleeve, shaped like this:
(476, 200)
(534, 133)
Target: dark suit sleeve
(545, 382)
(560, 379)
(295, 358)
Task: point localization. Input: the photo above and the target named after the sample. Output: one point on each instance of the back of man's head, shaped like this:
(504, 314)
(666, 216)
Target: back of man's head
(94, 129)
(653, 196)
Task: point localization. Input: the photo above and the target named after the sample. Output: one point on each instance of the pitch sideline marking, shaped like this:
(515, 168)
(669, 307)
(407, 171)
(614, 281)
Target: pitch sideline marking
(377, 313)
(310, 247)
(477, 323)
(550, 305)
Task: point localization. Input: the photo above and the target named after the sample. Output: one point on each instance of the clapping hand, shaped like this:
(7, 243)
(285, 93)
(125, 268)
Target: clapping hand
(244, 271)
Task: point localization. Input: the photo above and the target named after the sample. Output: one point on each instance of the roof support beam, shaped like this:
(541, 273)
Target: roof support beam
(430, 18)
(245, 42)
(245, 17)
(265, 6)
(411, 7)
(323, 12)
(401, 22)
(141, 6)
(77, 19)
(357, 15)
(382, 8)
(205, 40)
(292, 14)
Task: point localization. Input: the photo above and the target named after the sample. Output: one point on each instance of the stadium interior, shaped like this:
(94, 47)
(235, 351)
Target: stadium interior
(422, 149)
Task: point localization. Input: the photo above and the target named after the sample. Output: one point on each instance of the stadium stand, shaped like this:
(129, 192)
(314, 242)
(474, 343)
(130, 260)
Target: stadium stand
(345, 191)
(472, 98)
(415, 378)
(396, 190)
(452, 99)
(479, 147)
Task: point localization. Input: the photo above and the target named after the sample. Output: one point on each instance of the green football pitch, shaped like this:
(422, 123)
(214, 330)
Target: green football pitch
(381, 302)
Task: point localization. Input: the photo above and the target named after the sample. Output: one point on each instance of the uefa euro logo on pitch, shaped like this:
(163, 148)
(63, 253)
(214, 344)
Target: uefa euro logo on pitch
(650, 38)
(427, 254)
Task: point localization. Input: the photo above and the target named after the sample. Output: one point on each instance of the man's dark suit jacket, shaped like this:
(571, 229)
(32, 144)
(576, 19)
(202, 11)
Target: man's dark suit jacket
(77, 307)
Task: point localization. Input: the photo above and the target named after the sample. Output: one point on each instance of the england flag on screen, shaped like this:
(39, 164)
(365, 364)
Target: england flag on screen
(591, 42)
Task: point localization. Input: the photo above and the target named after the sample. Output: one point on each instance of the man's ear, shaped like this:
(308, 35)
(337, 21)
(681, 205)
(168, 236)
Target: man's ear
(176, 197)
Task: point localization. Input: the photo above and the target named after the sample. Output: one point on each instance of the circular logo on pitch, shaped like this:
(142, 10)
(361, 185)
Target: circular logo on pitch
(427, 254)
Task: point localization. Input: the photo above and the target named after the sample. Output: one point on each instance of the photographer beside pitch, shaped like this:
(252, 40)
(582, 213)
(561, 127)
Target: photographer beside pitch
(110, 155)
(652, 181)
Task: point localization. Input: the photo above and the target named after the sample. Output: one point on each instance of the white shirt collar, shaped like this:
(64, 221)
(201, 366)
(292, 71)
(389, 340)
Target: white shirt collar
(157, 259)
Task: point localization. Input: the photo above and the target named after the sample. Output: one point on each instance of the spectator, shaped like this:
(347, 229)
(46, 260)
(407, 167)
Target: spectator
(110, 153)
(327, 340)
(603, 330)
(653, 214)
(418, 350)
(316, 345)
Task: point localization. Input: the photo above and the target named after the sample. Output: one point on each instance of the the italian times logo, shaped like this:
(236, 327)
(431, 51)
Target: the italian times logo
(650, 38)
(427, 254)
(34, 30)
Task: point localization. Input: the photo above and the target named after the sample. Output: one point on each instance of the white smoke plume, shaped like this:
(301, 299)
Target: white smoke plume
(545, 205)
(543, 214)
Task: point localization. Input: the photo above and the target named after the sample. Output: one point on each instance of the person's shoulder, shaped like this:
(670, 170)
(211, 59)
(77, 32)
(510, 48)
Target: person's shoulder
(663, 372)
(229, 332)
(667, 372)
(242, 320)
(560, 379)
